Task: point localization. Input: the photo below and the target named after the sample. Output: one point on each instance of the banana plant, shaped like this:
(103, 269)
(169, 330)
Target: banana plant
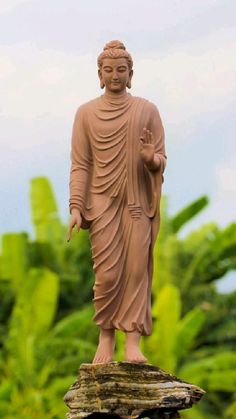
(173, 337)
(41, 357)
(50, 330)
(193, 323)
(71, 261)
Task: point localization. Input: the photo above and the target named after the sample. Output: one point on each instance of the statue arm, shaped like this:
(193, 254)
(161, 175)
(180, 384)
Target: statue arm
(81, 160)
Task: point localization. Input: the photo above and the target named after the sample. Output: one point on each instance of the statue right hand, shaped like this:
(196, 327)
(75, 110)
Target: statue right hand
(75, 219)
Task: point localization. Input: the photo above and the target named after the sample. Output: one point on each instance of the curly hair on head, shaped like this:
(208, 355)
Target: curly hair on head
(115, 49)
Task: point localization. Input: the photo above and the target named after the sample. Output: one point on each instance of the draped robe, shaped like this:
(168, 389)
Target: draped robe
(118, 196)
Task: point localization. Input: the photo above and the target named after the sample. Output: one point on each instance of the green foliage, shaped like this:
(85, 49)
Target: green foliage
(41, 283)
(216, 372)
(44, 212)
(77, 324)
(120, 346)
(173, 336)
(39, 354)
(46, 326)
(36, 303)
(188, 213)
(188, 330)
(231, 411)
(14, 258)
(191, 343)
(166, 309)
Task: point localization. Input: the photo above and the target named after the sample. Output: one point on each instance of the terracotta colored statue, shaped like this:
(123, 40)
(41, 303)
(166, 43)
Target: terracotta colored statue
(118, 159)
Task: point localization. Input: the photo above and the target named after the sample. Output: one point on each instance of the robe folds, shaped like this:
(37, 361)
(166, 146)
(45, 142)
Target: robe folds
(119, 200)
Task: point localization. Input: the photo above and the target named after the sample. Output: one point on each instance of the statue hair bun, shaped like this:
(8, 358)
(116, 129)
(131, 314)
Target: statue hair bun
(114, 45)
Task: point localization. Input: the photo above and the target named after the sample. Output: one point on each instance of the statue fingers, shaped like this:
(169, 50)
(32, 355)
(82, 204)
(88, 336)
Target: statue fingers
(79, 224)
(145, 135)
(68, 237)
(141, 143)
(150, 137)
(69, 232)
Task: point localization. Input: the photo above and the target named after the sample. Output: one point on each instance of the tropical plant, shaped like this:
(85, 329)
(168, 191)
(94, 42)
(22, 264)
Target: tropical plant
(46, 313)
(194, 334)
(40, 359)
(44, 340)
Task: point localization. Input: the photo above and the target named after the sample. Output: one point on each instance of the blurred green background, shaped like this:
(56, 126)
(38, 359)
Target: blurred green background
(46, 311)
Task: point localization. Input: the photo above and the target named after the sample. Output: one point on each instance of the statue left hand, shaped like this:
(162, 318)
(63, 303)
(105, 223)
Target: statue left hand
(147, 149)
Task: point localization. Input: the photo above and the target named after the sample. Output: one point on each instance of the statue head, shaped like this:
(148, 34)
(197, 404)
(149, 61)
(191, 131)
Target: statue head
(115, 67)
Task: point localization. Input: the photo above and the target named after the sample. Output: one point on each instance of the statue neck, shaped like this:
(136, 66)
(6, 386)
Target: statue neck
(115, 95)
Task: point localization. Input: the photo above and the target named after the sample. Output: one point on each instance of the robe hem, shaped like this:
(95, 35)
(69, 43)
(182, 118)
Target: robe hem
(113, 325)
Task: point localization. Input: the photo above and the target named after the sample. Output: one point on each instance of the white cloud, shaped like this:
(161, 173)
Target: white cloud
(197, 78)
(7, 67)
(227, 179)
(52, 75)
(222, 208)
(225, 199)
(8, 5)
(38, 82)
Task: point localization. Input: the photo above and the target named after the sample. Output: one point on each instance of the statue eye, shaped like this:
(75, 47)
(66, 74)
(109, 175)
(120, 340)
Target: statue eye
(107, 69)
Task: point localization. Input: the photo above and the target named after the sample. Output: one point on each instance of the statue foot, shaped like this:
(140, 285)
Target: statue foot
(106, 346)
(133, 354)
(132, 351)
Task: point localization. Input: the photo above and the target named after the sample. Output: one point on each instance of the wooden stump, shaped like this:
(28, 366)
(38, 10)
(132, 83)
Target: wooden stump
(128, 390)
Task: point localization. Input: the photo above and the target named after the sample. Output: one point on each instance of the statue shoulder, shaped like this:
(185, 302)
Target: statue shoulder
(86, 107)
(147, 104)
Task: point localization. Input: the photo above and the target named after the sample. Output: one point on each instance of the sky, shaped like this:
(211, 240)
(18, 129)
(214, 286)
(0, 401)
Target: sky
(184, 54)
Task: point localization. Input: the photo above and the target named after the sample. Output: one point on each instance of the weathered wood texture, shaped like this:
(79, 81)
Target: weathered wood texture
(128, 390)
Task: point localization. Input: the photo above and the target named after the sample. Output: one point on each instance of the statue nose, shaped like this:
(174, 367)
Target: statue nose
(114, 76)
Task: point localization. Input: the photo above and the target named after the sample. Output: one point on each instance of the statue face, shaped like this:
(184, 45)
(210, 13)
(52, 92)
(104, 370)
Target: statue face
(115, 74)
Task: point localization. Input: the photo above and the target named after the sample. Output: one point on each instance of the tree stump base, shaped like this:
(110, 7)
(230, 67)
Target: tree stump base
(128, 390)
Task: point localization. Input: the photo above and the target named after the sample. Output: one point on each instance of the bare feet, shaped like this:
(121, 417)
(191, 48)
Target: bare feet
(132, 351)
(106, 346)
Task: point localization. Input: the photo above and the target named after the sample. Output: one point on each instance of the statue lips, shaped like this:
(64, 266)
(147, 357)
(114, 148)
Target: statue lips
(115, 84)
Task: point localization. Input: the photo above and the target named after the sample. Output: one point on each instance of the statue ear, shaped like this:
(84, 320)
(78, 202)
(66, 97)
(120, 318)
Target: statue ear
(102, 85)
(129, 81)
(128, 84)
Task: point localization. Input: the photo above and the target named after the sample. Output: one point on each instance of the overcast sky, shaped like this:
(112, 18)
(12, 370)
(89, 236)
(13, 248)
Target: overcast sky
(184, 61)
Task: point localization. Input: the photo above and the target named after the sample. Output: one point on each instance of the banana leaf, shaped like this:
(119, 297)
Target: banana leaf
(160, 346)
(187, 330)
(186, 214)
(44, 212)
(14, 258)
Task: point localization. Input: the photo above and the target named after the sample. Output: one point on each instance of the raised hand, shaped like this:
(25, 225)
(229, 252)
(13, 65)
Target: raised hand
(75, 219)
(147, 149)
